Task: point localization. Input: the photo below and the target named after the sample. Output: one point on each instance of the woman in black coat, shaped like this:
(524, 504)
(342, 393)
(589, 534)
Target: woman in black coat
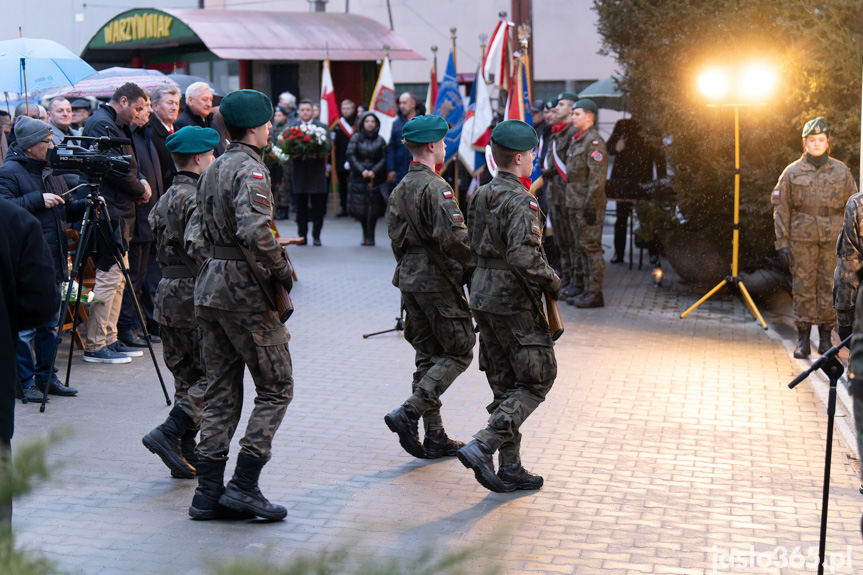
(367, 156)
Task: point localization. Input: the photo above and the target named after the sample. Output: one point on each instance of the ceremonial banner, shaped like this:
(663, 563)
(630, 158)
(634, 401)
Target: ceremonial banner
(496, 58)
(477, 126)
(329, 109)
(384, 103)
(431, 95)
(450, 106)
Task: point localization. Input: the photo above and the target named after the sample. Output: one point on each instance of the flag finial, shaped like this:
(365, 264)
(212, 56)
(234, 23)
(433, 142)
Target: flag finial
(524, 35)
(386, 50)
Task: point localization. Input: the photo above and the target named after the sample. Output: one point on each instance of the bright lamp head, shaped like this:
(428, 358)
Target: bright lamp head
(756, 82)
(713, 84)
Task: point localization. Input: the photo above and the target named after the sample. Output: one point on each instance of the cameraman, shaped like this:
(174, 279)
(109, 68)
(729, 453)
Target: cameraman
(26, 181)
(121, 192)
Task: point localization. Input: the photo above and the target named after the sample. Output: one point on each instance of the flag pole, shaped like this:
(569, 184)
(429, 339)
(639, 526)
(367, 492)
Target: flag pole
(334, 179)
(455, 167)
(523, 37)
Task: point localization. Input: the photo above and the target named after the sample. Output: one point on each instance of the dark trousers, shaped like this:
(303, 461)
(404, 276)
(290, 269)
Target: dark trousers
(315, 213)
(5, 505)
(343, 190)
(623, 209)
(145, 274)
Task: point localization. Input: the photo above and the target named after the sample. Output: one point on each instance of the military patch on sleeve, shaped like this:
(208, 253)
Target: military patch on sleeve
(596, 155)
(534, 206)
(535, 229)
(776, 193)
(595, 143)
(258, 175)
(260, 199)
(457, 218)
(447, 194)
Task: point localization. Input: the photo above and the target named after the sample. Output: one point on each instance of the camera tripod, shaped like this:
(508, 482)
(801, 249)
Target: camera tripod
(400, 324)
(94, 225)
(832, 367)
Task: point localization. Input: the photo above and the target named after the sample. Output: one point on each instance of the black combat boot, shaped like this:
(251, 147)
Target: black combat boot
(825, 338)
(514, 476)
(802, 350)
(438, 444)
(477, 457)
(588, 299)
(164, 441)
(187, 447)
(403, 421)
(571, 291)
(243, 494)
(205, 503)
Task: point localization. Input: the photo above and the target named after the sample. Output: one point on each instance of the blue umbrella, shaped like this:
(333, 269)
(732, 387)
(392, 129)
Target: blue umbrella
(28, 64)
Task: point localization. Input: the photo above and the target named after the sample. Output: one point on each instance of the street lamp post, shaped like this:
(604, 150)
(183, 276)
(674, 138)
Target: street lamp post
(747, 88)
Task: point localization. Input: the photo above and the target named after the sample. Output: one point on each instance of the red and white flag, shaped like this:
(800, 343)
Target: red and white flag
(431, 95)
(384, 100)
(329, 110)
(494, 65)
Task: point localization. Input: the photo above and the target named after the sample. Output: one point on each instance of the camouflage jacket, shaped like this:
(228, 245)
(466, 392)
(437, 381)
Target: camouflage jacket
(440, 222)
(243, 181)
(518, 221)
(586, 170)
(175, 297)
(849, 248)
(809, 202)
(560, 143)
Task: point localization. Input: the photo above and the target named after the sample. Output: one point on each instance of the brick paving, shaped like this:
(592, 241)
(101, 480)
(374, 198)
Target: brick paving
(664, 444)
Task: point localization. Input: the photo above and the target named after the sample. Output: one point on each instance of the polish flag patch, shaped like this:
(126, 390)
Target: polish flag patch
(534, 206)
(447, 194)
(258, 175)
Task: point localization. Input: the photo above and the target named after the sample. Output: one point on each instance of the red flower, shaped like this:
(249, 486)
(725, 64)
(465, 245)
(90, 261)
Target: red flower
(306, 139)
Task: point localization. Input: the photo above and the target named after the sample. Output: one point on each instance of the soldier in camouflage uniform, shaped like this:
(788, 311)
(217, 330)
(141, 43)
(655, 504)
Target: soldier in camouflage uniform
(515, 348)
(855, 372)
(555, 174)
(239, 324)
(808, 201)
(846, 278)
(428, 233)
(174, 441)
(587, 170)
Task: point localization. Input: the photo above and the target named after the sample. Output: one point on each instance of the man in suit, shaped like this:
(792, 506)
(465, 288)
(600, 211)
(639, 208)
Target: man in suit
(165, 102)
(309, 181)
(343, 131)
(198, 112)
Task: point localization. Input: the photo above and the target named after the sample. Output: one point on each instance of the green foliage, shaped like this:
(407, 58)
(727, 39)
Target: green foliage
(817, 50)
(17, 477)
(341, 562)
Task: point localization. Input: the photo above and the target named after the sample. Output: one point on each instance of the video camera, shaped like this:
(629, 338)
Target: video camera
(92, 161)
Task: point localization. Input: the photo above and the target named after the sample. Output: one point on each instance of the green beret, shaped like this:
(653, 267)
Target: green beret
(515, 135)
(586, 104)
(816, 126)
(567, 96)
(551, 104)
(246, 109)
(192, 140)
(425, 129)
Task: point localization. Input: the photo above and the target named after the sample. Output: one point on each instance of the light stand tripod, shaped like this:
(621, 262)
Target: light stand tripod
(400, 324)
(833, 369)
(92, 225)
(733, 280)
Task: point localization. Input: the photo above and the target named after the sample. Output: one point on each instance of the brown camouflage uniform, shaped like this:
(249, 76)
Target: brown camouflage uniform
(238, 325)
(438, 322)
(175, 305)
(855, 370)
(515, 348)
(587, 170)
(808, 206)
(849, 248)
(557, 210)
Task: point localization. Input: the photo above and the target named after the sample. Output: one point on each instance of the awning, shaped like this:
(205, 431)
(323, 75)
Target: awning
(254, 35)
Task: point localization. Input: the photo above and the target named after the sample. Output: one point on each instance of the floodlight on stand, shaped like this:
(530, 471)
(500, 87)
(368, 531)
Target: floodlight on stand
(713, 83)
(756, 82)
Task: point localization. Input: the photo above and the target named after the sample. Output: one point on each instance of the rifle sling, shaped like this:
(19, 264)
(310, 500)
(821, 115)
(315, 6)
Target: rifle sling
(427, 248)
(501, 247)
(245, 253)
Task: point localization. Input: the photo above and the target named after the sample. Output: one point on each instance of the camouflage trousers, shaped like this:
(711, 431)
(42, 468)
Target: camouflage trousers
(232, 340)
(517, 356)
(439, 327)
(588, 240)
(181, 349)
(812, 282)
(858, 423)
(282, 192)
(559, 215)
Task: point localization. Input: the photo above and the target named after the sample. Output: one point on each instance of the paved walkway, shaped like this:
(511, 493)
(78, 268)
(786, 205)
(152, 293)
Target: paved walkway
(666, 445)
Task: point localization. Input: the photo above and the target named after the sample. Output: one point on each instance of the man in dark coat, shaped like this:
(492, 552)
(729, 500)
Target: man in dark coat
(121, 192)
(343, 131)
(143, 267)
(28, 298)
(198, 112)
(309, 182)
(165, 102)
(26, 182)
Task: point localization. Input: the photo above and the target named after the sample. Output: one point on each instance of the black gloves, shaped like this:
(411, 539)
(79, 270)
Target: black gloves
(288, 284)
(589, 216)
(785, 257)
